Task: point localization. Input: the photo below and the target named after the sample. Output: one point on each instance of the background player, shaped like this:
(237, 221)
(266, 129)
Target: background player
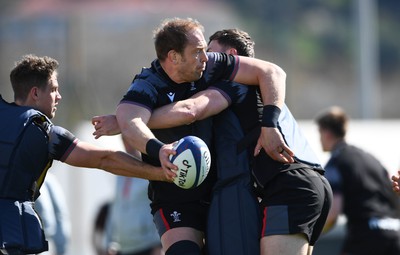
(361, 191)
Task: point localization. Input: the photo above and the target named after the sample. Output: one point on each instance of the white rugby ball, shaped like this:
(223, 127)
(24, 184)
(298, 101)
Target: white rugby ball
(193, 160)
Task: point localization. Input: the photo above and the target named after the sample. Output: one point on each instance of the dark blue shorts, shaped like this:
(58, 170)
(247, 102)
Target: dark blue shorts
(296, 201)
(193, 215)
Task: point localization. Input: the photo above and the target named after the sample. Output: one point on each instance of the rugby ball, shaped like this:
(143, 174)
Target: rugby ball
(193, 160)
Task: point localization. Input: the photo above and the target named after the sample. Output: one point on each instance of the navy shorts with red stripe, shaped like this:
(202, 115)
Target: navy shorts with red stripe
(191, 214)
(296, 201)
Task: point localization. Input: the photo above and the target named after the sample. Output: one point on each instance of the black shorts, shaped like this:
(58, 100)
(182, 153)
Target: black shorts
(296, 201)
(193, 215)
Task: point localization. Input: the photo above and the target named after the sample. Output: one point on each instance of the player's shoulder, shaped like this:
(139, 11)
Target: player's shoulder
(151, 78)
(59, 134)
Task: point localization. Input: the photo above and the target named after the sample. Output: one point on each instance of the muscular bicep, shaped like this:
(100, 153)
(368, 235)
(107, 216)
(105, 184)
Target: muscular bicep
(200, 106)
(247, 74)
(269, 77)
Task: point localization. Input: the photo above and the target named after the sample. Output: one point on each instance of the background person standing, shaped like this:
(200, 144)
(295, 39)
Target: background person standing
(129, 224)
(361, 190)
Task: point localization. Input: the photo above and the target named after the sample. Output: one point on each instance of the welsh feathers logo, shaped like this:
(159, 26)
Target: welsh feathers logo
(176, 216)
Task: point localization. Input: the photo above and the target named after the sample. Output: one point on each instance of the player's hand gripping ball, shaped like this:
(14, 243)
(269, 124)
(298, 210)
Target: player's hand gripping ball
(193, 160)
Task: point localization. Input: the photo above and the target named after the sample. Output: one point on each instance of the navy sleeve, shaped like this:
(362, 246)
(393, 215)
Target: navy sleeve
(141, 93)
(220, 66)
(61, 143)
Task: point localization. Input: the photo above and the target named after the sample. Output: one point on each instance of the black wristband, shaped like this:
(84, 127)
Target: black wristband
(270, 116)
(153, 147)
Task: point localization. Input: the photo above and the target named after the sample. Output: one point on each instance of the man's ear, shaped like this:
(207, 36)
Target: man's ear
(34, 93)
(172, 56)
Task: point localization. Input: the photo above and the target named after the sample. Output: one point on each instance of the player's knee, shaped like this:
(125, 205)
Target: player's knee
(184, 247)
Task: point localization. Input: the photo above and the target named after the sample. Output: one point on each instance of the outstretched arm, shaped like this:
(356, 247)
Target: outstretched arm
(200, 106)
(116, 162)
(136, 134)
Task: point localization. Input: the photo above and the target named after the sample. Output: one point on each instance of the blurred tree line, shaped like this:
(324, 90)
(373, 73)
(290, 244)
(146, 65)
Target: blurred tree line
(319, 39)
(317, 31)
(101, 44)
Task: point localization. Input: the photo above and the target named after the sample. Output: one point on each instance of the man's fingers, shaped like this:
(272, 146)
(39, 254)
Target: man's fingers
(257, 149)
(95, 120)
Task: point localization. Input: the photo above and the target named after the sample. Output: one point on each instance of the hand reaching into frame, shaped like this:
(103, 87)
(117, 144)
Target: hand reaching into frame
(105, 125)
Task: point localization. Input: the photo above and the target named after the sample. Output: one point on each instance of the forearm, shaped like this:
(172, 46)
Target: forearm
(132, 121)
(117, 162)
(272, 82)
(200, 106)
(172, 115)
(136, 135)
(121, 163)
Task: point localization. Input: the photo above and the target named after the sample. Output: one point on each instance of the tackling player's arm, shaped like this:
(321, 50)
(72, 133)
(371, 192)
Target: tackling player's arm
(200, 106)
(272, 81)
(116, 162)
(270, 77)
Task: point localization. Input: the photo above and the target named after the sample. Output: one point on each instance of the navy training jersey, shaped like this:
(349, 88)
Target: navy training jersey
(152, 88)
(246, 103)
(29, 142)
